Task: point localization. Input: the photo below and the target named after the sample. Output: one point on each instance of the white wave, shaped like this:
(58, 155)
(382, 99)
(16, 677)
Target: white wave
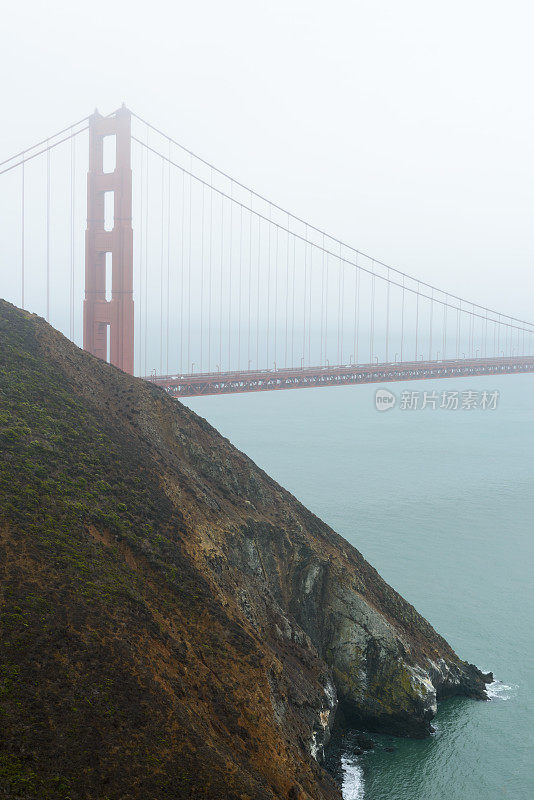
(352, 785)
(500, 691)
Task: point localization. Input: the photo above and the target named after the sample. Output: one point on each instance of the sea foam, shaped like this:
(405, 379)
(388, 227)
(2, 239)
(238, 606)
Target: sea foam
(352, 786)
(500, 691)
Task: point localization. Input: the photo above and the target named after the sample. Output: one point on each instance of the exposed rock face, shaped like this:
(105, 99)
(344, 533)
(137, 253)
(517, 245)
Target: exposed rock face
(174, 623)
(389, 667)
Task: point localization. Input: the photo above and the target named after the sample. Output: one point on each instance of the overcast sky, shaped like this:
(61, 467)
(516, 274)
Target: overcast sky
(406, 128)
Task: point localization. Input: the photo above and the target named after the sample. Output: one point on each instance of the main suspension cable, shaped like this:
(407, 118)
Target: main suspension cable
(312, 227)
(296, 236)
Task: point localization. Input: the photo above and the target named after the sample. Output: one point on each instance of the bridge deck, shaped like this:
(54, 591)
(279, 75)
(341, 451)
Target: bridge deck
(208, 383)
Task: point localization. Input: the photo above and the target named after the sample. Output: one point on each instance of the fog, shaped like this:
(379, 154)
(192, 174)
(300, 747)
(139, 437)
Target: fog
(405, 129)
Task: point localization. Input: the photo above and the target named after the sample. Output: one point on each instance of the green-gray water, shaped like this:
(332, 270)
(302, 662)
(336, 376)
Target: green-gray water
(442, 504)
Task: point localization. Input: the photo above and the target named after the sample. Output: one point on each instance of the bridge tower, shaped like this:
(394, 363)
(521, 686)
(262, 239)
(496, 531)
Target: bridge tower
(103, 317)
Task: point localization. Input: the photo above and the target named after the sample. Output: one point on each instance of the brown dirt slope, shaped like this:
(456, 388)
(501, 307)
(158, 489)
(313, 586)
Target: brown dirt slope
(153, 644)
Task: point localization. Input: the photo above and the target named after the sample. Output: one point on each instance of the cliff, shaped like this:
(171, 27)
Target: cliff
(174, 624)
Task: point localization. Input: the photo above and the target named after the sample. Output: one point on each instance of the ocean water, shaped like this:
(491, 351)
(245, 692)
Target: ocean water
(441, 502)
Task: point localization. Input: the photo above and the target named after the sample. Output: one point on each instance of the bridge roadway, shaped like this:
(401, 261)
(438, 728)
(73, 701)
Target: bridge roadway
(208, 383)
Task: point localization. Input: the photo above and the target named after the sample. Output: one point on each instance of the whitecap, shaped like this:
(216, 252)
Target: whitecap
(500, 691)
(352, 783)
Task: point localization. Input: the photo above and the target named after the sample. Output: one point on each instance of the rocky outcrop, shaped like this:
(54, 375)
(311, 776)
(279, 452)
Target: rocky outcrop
(174, 623)
(388, 666)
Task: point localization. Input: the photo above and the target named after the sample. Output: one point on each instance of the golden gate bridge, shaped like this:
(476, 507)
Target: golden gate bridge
(220, 290)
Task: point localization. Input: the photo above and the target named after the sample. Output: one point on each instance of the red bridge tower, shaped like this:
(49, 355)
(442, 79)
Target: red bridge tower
(117, 313)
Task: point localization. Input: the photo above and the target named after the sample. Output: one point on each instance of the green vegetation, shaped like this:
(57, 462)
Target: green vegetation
(75, 489)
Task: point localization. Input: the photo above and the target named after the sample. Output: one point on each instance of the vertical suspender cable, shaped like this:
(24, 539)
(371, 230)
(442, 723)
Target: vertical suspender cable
(258, 289)
(372, 326)
(268, 288)
(402, 321)
(71, 275)
(293, 303)
(141, 222)
(342, 298)
(472, 329)
(48, 235)
(202, 275)
(417, 321)
(310, 304)
(22, 236)
(168, 254)
(304, 296)
(444, 344)
(161, 267)
(230, 265)
(276, 294)
(287, 287)
(322, 304)
(326, 308)
(73, 255)
(189, 362)
(221, 284)
(210, 271)
(182, 277)
(357, 314)
(338, 357)
(356, 271)
(430, 330)
(249, 283)
(458, 329)
(145, 337)
(387, 319)
(240, 292)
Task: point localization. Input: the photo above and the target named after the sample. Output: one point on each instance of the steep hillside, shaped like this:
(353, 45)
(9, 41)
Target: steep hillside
(174, 624)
